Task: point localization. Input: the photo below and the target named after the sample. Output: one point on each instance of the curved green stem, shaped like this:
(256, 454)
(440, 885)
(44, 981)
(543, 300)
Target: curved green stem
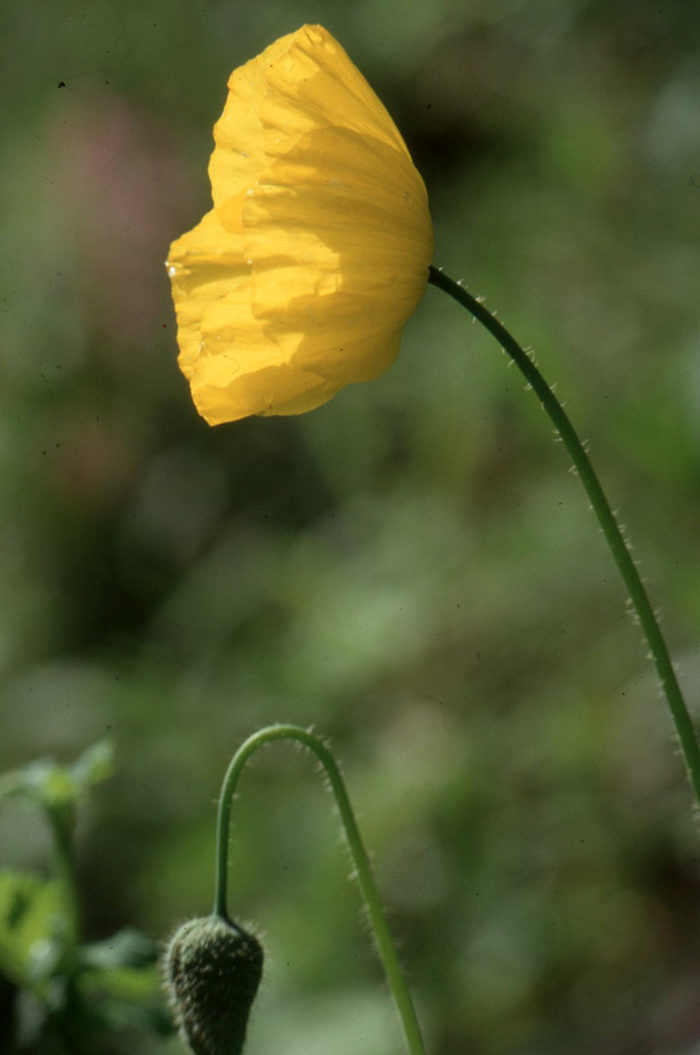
(606, 518)
(385, 947)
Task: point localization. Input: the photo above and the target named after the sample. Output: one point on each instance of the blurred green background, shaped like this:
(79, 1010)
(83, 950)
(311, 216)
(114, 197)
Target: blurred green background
(410, 568)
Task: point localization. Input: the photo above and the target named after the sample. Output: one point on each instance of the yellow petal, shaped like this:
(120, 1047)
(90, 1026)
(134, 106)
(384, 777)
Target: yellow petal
(302, 82)
(317, 250)
(275, 389)
(204, 265)
(240, 369)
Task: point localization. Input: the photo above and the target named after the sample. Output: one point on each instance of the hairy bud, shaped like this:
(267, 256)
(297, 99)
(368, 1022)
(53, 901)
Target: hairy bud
(213, 970)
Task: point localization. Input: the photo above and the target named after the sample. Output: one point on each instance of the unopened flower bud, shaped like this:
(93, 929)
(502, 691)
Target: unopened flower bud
(213, 970)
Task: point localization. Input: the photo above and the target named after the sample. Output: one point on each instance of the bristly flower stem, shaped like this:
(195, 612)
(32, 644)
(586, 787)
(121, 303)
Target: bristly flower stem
(385, 946)
(601, 507)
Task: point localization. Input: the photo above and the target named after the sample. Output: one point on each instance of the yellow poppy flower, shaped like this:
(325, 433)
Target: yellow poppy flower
(301, 277)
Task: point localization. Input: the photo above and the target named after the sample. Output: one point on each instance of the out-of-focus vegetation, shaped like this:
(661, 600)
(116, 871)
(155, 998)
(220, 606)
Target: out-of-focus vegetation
(410, 567)
(58, 993)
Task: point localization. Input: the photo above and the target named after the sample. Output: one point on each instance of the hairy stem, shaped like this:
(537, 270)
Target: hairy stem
(368, 887)
(606, 518)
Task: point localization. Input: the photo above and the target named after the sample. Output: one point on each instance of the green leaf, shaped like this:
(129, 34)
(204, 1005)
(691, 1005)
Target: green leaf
(33, 921)
(128, 996)
(127, 948)
(94, 765)
(131, 984)
(56, 786)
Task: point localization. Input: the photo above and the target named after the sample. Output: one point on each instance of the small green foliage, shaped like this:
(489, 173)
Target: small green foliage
(31, 911)
(126, 948)
(58, 994)
(57, 787)
(213, 969)
(120, 978)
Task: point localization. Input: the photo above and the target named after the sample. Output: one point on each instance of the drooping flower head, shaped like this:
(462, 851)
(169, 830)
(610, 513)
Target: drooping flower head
(316, 251)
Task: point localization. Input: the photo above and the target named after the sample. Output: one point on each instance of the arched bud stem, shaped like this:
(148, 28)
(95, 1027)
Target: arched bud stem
(356, 847)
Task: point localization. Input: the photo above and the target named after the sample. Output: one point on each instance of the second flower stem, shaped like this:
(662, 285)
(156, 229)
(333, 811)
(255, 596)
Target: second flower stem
(605, 515)
(363, 872)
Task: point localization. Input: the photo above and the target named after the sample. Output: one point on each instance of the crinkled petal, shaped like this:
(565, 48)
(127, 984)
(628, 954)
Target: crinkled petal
(357, 263)
(204, 265)
(302, 82)
(240, 368)
(221, 395)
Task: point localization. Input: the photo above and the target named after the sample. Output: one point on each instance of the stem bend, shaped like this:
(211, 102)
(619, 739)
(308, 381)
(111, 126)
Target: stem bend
(368, 888)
